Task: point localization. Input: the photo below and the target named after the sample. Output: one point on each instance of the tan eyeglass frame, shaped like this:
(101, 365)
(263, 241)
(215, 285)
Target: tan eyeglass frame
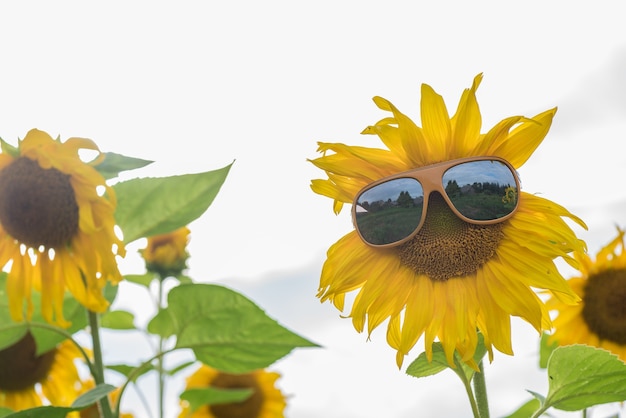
(430, 177)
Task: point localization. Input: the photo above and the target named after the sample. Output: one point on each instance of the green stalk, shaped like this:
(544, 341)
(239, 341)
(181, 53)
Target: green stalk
(98, 364)
(160, 367)
(136, 372)
(468, 386)
(480, 389)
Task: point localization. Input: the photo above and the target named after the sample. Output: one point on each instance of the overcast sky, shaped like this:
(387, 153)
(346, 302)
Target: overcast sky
(195, 85)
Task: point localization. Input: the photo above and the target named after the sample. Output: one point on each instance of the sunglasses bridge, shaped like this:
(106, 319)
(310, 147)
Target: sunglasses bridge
(479, 190)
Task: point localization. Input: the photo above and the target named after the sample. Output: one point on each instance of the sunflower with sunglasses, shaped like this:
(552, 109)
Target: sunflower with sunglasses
(445, 242)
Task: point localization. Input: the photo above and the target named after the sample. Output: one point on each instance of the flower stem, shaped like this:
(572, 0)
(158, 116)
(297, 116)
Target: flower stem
(160, 366)
(98, 364)
(480, 389)
(137, 371)
(468, 386)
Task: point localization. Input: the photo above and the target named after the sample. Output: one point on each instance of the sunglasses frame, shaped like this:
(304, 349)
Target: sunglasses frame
(431, 179)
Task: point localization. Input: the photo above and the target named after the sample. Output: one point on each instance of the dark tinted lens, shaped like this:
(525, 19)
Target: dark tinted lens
(481, 190)
(390, 211)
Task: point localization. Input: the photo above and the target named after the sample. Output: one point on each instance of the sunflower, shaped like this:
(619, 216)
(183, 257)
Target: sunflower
(266, 400)
(452, 278)
(166, 254)
(600, 319)
(28, 380)
(56, 226)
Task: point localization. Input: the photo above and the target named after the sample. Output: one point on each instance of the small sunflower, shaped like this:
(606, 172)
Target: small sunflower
(166, 254)
(28, 380)
(56, 226)
(452, 278)
(266, 401)
(600, 319)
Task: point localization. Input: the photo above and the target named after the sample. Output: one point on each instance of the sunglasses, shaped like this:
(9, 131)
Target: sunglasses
(479, 190)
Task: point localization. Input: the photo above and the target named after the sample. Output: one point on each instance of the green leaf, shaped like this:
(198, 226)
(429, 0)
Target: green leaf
(5, 411)
(223, 328)
(121, 320)
(10, 332)
(151, 206)
(545, 350)
(43, 412)
(46, 335)
(184, 279)
(140, 279)
(113, 164)
(583, 376)
(198, 397)
(527, 410)
(45, 338)
(127, 370)
(110, 292)
(49, 337)
(180, 367)
(421, 367)
(537, 396)
(9, 149)
(93, 396)
(82, 402)
(123, 369)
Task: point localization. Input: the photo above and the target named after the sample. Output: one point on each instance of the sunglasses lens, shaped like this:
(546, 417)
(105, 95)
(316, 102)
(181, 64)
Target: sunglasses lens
(390, 211)
(481, 190)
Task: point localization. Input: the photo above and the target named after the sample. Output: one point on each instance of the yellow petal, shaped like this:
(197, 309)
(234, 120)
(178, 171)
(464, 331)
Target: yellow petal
(435, 123)
(491, 141)
(467, 121)
(525, 139)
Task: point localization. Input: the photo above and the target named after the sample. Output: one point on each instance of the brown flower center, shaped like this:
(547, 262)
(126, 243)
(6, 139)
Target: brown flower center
(604, 308)
(37, 206)
(21, 368)
(250, 408)
(447, 246)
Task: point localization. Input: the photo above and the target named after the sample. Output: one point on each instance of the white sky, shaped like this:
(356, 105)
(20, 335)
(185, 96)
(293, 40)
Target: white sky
(195, 85)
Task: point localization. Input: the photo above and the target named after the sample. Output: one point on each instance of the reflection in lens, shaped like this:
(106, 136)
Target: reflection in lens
(481, 190)
(390, 211)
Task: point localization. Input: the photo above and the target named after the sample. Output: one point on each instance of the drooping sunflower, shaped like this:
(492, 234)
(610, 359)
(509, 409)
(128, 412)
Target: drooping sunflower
(453, 277)
(600, 319)
(56, 226)
(28, 380)
(266, 401)
(166, 254)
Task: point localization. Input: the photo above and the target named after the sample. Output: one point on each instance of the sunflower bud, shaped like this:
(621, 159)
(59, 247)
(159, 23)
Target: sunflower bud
(166, 254)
